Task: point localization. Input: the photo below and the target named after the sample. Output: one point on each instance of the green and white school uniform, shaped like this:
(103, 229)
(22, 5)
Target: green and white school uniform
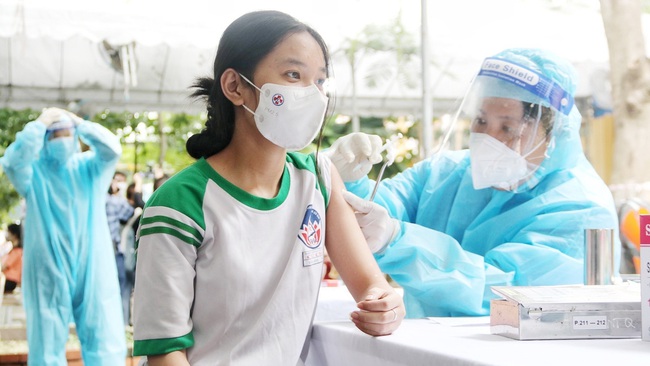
(231, 277)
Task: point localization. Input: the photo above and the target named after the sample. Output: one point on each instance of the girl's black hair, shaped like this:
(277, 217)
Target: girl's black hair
(15, 230)
(243, 45)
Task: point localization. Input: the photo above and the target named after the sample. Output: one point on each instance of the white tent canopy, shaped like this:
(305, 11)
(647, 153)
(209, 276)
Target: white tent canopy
(143, 54)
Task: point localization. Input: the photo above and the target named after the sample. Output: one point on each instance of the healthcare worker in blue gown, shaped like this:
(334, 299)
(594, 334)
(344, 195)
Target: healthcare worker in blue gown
(510, 210)
(69, 272)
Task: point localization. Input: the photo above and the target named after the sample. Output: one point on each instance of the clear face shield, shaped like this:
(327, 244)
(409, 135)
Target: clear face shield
(511, 112)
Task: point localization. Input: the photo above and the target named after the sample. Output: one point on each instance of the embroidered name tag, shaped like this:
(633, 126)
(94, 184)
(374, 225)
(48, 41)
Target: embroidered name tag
(311, 257)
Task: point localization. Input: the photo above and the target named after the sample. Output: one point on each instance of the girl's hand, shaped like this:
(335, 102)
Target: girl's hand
(380, 313)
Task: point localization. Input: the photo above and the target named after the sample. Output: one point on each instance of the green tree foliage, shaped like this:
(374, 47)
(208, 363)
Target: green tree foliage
(11, 122)
(144, 130)
(153, 139)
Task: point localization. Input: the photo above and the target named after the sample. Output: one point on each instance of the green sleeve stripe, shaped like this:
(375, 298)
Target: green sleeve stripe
(173, 222)
(163, 345)
(308, 162)
(170, 231)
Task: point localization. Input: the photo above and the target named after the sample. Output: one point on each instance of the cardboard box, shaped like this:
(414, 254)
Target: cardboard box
(567, 312)
(644, 275)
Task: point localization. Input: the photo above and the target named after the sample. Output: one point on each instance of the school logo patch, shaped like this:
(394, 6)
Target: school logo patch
(310, 232)
(277, 100)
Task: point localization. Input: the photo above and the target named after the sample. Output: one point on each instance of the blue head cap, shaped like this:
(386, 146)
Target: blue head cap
(64, 122)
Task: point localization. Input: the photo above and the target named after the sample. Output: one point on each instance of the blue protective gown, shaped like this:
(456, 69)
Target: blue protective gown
(456, 242)
(69, 270)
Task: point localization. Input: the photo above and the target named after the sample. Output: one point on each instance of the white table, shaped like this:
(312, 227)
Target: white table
(462, 341)
(336, 303)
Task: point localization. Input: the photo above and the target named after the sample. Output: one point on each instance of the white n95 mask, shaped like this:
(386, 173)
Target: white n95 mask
(289, 116)
(495, 164)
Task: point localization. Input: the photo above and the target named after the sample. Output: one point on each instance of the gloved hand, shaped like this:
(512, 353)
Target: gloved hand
(354, 155)
(50, 115)
(378, 227)
(76, 119)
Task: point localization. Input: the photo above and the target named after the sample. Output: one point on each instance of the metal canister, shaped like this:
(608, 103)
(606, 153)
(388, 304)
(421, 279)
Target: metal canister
(599, 256)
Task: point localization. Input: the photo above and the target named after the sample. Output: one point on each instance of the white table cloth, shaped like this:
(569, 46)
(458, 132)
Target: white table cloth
(462, 341)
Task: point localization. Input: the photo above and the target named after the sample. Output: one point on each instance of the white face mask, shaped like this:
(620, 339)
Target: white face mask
(289, 116)
(495, 164)
(121, 187)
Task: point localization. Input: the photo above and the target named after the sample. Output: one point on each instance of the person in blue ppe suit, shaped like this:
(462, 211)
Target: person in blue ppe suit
(509, 211)
(69, 273)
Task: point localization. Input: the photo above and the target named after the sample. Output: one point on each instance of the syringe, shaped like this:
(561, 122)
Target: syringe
(390, 158)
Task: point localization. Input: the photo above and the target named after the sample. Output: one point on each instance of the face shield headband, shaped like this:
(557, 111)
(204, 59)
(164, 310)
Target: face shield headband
(552, 94)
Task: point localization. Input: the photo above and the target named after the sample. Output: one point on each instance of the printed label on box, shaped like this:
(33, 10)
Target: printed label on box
(590, 322)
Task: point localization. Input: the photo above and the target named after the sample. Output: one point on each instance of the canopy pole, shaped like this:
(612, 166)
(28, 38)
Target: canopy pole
(427, 103)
